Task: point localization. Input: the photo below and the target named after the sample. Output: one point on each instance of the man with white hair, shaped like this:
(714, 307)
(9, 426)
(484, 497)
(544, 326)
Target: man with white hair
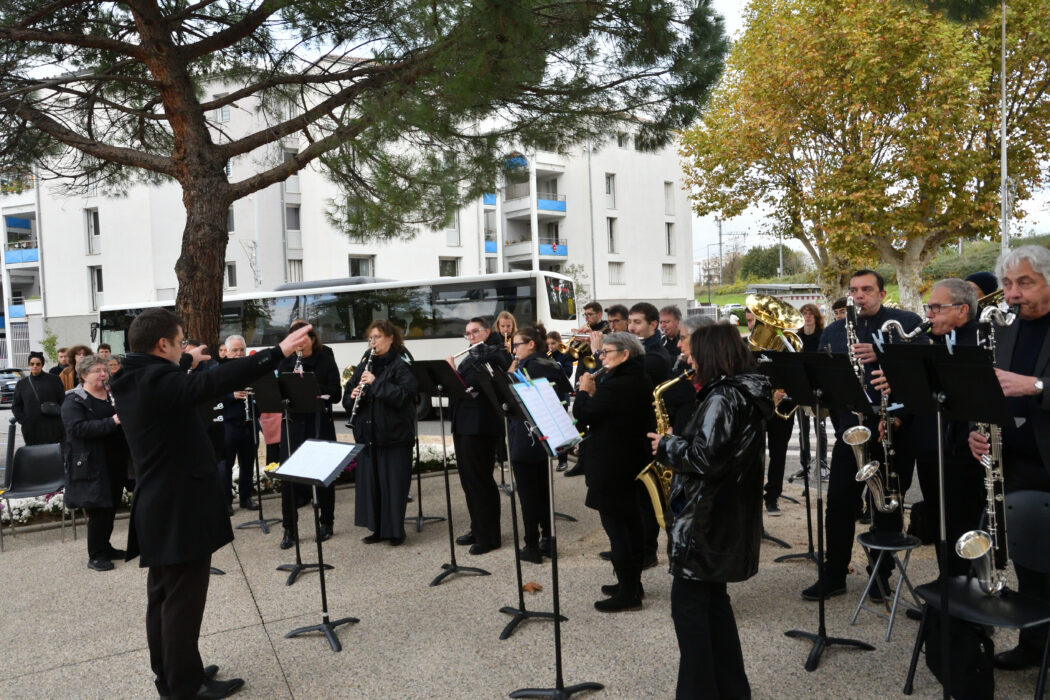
(240, 439)
(1023, 366)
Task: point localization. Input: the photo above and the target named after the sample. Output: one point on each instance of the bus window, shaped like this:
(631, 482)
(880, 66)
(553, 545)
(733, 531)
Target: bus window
(330, 316)
(230, 322)
(266, 321)
(561, 299)
(456, 304)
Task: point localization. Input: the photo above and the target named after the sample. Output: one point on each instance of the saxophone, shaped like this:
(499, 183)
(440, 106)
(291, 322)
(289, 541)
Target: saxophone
(987, 548)
(656, 477)
(858, 436)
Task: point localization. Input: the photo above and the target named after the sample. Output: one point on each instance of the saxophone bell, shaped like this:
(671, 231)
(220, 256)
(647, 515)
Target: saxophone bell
(979, 548)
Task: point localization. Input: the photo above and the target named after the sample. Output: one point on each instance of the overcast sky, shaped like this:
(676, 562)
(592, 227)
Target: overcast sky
(705, 231)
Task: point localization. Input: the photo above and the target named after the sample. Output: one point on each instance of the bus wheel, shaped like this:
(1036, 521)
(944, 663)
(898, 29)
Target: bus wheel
(423, 407)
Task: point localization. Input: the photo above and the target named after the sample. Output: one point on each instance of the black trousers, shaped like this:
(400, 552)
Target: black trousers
(650, 528)
(176, 595)
(475, 456)
(844, 493)
(964, 503)
(295, 496)
(533, 489)
(711, 664)
(240, 446)
(805, 423)
(99, 530)
(778, 434)
(622, 523)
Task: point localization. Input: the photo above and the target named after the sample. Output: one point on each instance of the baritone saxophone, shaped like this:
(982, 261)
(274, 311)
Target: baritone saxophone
(656, 477)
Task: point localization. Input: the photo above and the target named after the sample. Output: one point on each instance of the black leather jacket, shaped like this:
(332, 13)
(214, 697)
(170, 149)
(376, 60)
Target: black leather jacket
(716, 495)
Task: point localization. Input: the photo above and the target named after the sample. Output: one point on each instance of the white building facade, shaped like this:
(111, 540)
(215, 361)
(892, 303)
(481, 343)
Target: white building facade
(614, 217)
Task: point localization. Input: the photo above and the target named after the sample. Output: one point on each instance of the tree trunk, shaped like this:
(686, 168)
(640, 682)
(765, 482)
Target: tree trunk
(201, 265)
(909, 280)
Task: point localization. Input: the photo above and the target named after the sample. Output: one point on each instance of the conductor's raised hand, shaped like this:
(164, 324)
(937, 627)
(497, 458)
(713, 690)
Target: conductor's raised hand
(199, 354)
(295, 340)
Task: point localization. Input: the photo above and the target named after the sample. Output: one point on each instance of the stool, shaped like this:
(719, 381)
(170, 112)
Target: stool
(888, 545)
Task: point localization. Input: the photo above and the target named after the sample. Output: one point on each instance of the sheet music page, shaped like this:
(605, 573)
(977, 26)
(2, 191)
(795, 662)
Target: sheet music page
(548, 413)
(317, 460)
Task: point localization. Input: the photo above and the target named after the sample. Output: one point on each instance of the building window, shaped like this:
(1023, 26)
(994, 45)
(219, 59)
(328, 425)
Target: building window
(95, 279)
(491, 266)
(668, 239)
(292, 226)
(229, 220)
(448, 267)
(230, 282)
(668, 274)
(362, 266)
(610, 191)
(222, 114)
(610, 227)
(291, 184)
(452, 230)
(623, 140)
(94, 232)
(669, 198)
(295, 270)
(616, 273)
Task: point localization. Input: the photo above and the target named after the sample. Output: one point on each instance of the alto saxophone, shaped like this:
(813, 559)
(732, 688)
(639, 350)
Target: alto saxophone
(656, 477)
(858, 436)
(987, 548)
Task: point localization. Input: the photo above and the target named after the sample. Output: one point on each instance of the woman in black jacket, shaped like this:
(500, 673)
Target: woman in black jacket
(716, 500)
(316, 424)
(39, 389)
(385, 425)
(96, 458)
(618, 413)
(528, 458)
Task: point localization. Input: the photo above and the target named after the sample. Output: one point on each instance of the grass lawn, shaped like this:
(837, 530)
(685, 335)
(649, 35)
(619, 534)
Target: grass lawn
(892, 294)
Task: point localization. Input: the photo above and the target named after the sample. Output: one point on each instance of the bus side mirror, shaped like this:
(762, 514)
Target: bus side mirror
(94, 330)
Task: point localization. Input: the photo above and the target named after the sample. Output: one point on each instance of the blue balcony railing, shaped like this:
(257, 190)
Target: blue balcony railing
(490, 246)
(548, 201)
(489, 200)
(16, 311)
(553, 246)
(22, 255)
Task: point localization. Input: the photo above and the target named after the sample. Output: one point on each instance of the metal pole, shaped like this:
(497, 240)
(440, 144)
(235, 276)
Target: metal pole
(1004, 189)
(721, 278)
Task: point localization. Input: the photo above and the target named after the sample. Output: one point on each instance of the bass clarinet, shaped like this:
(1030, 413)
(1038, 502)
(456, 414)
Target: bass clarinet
(361, 394)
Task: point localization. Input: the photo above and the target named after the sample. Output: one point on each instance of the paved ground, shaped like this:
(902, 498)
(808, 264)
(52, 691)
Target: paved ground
(69, 632)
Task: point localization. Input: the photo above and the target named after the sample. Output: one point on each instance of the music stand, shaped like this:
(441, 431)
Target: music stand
(264, 396)
(496, 385)
(784, 370)
(442, 381)
(557, 432)
(422, 380)
(298, 394)
(318, 463)
(832, 379)
(958, 384)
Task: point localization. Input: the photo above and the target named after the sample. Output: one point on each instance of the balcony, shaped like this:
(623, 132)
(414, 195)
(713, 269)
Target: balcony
(16, 184)
(489, 200)
(16, 311)
(22, 255)
(517, 203)
(550, 249)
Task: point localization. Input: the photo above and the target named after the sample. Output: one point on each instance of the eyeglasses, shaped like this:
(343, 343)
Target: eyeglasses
(609, 351)
(184, 343)
(471, 334)
(937, 308)
(524, 342)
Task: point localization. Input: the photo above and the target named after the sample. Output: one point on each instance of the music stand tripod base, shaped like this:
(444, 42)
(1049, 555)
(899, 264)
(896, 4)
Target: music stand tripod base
(558, 693)
(821, 642)
(450, 569)
(518, 616)
(328, 628)
(421, 520)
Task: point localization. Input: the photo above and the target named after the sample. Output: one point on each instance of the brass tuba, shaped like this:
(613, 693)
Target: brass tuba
(656, 477)
(773, 315)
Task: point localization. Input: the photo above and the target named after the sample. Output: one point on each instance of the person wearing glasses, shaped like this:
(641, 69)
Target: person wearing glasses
(315, 424)
(36, 403)
(385, 425)
(477, 429)
(618, 414)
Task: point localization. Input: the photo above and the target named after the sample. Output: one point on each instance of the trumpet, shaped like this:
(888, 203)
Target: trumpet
(562, 348)
(466, 350)
(579, 349)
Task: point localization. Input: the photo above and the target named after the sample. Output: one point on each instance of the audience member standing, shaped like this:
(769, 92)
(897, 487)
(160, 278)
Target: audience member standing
(57, 369)
(37, 403)
(69, 374)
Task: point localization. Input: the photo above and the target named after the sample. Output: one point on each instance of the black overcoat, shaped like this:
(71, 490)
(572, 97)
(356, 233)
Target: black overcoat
(95, 453)
(386, 416)
(38, 429)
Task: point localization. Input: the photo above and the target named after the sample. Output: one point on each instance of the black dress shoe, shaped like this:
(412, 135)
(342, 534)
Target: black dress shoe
(913, 614)
(612, 589)
(531, 555)
(324, 534)
(250, 504)
(210, 672)
(545, 546)
(115, 553)
(100, 565)
(466, 539)
(562, 466)
(619, 602)
(830, 589)
(397, 541)
(607, 556)
(229, 509)
(288, 541)
(650, 562)
(213, 689)
(575, 471)
(372, 539)
(482, 548)
(1016, 659)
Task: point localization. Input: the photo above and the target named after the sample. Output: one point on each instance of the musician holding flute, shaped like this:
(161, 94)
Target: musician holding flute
(380, 399)
(1023, 367)
(477, 428)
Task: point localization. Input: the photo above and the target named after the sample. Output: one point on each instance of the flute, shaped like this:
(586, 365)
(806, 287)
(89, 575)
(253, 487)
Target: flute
(464, 352)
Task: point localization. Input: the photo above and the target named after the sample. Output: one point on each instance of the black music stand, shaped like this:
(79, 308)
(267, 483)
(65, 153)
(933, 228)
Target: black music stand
(318, 463)
(438, 379)
(422, 379)
(958, 384)
(496, 385)
(264, 396)
(298, 394)
(545, 419)
(784, 370)
(832, 380)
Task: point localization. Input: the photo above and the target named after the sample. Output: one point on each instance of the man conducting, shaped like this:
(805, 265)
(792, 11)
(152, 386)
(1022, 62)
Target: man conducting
(178, 515)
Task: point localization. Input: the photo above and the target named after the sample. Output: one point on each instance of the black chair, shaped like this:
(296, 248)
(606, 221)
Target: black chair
(1027, 521)
(36, 470)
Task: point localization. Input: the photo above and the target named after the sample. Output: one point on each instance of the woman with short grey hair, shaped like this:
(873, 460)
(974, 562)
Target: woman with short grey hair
(624, 341)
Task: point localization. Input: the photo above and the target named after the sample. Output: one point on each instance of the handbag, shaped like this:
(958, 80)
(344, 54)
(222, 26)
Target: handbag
(47, 408)
(972, 654)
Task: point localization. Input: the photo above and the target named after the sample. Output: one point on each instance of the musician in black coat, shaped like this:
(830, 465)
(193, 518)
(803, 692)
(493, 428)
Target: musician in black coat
(477, 428)
(30, 393)
(618, 412)
(385, 424)
(178, 517)
(240, 423)
(1023, 367)
(564, 361)
(316, 424)
(528, 457)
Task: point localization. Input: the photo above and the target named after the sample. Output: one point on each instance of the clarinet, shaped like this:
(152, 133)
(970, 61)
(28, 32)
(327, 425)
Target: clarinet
(361, 394)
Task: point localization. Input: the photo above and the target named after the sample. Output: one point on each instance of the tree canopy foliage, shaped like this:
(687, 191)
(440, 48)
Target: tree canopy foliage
(870, 130)
(764, 262)
(410, 105)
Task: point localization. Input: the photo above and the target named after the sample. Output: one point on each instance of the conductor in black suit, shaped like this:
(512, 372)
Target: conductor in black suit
(178, 513)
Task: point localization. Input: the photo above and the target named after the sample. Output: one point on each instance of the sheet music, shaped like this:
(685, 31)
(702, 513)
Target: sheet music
(317, 460)
(548, 413)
